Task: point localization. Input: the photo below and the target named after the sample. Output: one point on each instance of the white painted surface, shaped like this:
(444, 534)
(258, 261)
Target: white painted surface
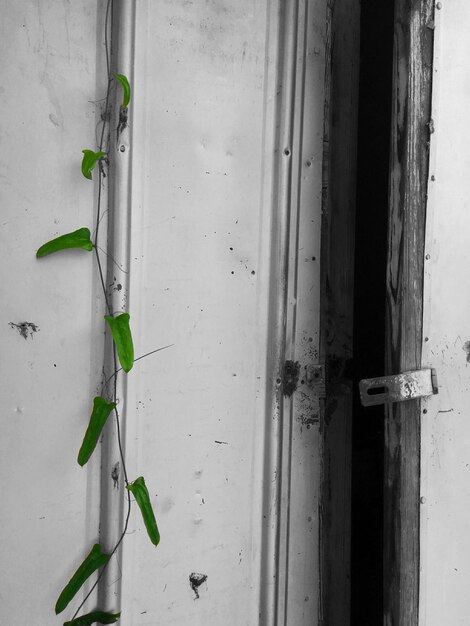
(445, 513)
(114, 499)
(204, 206)
(49, 512)
(197, 119)
(210, 272)
(299, 601)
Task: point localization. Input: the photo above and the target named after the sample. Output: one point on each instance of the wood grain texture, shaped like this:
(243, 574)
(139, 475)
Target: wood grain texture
(339, 199)
(412, 78)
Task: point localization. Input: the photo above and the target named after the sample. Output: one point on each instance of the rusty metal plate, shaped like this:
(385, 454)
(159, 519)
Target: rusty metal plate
(398, 387)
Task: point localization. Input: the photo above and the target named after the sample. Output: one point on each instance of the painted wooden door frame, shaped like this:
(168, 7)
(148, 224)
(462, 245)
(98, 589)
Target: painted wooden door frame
(294, 445)
(409, 164)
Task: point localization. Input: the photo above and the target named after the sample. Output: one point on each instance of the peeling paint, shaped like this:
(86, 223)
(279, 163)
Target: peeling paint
(291, 377)
(309, 421)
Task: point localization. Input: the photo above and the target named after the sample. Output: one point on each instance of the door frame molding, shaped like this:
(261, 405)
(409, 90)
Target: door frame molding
(409, 166)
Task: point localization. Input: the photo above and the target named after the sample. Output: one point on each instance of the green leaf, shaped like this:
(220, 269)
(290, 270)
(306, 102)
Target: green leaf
(78, 239)
(126, 89)
(89, 161)
(140, 492)
(96, 616)
(100, 413)
(122, 337)
(93, 561)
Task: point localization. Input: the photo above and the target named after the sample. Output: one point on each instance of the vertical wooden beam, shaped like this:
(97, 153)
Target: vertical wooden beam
(339, 199)
(411, 125)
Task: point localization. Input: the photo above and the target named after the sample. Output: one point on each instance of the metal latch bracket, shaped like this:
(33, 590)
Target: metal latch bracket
(398, 387)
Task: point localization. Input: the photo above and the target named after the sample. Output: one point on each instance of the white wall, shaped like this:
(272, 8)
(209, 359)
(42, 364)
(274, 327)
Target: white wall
(50, 505)
(445, 492)
(196, 247)
(205, 146)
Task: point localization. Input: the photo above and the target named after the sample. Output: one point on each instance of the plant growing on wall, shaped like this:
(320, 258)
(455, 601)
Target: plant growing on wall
(106, 403)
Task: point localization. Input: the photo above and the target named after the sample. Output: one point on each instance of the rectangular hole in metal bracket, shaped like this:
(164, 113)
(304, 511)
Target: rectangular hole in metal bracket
(376, 391)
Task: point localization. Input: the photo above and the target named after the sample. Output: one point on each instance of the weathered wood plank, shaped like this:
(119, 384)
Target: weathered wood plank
(411, 112)
(339, 195)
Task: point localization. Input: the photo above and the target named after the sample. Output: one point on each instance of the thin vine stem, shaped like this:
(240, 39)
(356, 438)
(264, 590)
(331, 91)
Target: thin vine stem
(100, 270)
(103, 569)
(113, 260)
(170, 345)
(105, 117)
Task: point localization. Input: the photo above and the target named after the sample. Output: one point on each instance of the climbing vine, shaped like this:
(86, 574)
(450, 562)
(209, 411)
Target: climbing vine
(118, 325)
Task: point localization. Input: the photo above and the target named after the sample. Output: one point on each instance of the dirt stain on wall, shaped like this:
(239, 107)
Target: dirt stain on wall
(466, 347)
(195, 581)
(25, 329)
